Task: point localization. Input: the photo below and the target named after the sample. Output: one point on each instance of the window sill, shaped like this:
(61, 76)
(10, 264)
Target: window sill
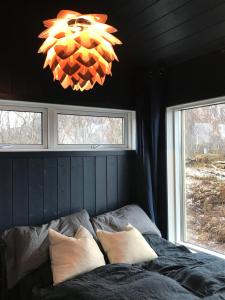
(4, 150)
(194, 248)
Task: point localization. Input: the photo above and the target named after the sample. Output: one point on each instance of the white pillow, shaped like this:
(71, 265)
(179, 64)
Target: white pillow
(73, 256)
(127, 246)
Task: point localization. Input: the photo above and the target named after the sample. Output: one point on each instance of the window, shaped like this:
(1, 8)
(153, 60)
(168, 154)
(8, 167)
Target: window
(76, 129)
(59, 127)
(21, 128)
(196, 175)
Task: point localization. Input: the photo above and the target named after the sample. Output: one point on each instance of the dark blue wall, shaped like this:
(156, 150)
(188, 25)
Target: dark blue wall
(36, 187)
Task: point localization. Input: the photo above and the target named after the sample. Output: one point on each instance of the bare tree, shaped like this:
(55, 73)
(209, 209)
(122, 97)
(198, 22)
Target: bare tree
(17, 127)
(206, 123)
(89, 130)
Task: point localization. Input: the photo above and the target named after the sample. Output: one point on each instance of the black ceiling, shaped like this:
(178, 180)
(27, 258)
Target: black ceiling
(169, 31)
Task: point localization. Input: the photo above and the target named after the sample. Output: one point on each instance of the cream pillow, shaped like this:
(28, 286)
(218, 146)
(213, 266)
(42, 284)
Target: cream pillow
(73, 256)
(127, 246)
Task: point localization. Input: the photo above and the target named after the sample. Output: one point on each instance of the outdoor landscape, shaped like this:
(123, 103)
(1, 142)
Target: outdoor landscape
(205, 176)
(25, 128)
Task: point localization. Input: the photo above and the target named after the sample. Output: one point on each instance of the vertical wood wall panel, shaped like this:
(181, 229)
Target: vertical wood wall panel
(122, 172)
(20, 192)
(89, 184)
(126, 182)
(38, 187)
(77, 184)
(101, 185)
(50, 189)
(36, 191)
(63, 186)
(6, 204)
(112, 182)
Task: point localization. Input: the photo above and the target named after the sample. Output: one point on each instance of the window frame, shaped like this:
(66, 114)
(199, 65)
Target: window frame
(175, 166)
(124, 115)
(44, 127)
(50, 126)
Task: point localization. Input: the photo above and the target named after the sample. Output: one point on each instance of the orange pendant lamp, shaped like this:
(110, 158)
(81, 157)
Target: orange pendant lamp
(79, 49)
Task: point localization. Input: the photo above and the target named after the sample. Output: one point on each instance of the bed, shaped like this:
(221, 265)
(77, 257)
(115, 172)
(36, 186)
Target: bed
(175, 274)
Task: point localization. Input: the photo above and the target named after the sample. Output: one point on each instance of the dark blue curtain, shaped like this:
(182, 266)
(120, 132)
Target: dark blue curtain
(150, 107)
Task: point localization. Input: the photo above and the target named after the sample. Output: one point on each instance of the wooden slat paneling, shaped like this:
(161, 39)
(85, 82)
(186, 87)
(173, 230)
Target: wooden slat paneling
(6, 204)
(101, 185)
(20, 192)
(38, 187)
(36, 194)
(194, 25)
(77, 183)
(89, 184)
(191, 43)
(63, 186)
(50, 189)
(112, 182)
(179, 18)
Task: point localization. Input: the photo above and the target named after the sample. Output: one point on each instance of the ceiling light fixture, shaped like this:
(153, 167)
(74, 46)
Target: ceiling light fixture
(79, 49)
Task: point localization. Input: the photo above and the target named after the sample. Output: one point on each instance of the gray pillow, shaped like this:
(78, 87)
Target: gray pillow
(130, 214)
(28, 247)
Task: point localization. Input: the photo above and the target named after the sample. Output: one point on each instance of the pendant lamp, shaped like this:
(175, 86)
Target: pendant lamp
(79, 49)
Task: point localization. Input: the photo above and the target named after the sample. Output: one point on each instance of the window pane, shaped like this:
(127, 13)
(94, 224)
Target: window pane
(204, 176)
(20, 127)
(81, 130)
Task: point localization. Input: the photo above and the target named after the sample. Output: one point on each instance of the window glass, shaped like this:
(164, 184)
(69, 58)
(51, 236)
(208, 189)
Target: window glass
(87, 130)
(49, 127)
(20, 127)
(203, 140)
